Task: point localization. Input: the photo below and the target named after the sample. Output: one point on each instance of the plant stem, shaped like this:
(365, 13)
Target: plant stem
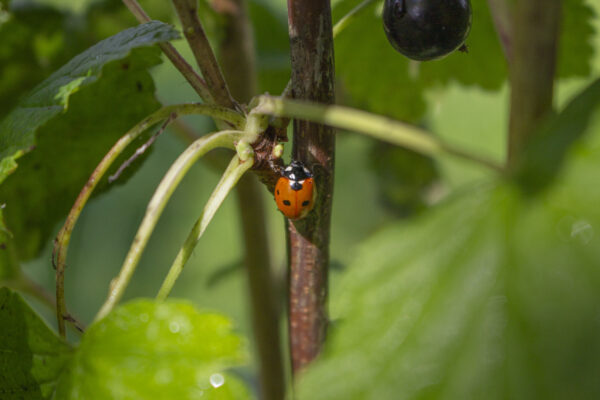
(532, 68)
(195, 80)
(232, 174)
(157, 204)
(501, 12)
(343, 23)
(347, 19)
(205, 57)
(382, 128)
(238, 61)
(311, 52)
(61, 243)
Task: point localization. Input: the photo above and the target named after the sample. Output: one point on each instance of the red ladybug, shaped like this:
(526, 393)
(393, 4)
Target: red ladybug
(295, 191)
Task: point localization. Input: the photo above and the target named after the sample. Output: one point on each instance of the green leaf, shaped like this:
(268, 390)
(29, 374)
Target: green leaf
(493, 295)
(405, 179)
(9, 268)
(272, 45)
(34, 43)
(51, 97)
(543, 158)
(70, 143)
(576, 50)
(149, 350)
(31, 355)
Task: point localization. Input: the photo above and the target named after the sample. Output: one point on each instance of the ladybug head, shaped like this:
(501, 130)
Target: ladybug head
(296, 171)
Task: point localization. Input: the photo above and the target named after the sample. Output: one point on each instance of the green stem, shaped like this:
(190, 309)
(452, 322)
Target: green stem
(352, 14)
(61, 243)
(193, 78)
(230, 177)
(157, 204)
(376, 126)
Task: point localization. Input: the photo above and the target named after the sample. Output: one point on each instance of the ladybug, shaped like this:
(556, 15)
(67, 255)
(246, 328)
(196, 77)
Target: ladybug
(295, 191)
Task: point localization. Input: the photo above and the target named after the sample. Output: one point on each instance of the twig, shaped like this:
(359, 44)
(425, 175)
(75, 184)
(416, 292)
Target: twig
(140, 150)
(232, 174)
(195, 80)
(205, 57)
(311, 53)
(157, 204)
(61, 244)
(382, 128)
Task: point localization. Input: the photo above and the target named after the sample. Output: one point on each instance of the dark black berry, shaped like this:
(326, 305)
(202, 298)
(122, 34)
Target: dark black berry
(426, 29)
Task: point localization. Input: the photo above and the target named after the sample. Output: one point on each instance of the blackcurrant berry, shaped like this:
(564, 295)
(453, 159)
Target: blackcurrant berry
(426, 29)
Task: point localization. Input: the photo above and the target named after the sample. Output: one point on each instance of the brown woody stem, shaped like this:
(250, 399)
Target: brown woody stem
(187, 11)
(177, 59)
(311, 48)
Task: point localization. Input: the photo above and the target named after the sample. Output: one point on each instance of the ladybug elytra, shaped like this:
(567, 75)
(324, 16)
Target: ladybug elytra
(295, 191)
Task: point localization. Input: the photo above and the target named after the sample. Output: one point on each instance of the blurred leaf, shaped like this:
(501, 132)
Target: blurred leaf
(576, 50)
(35, 41)
(396, 86)
(31, 356)
(148, 350)
(73, 6)
(544, 157)
(405, 178)
(9, 268)
(272, 45)
(70, 142)
(493, 295)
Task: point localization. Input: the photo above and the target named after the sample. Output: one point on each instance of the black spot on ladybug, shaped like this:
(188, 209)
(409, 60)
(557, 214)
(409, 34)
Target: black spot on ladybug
(287, 203)
(305, 203)
(278, 192)
(295, 185)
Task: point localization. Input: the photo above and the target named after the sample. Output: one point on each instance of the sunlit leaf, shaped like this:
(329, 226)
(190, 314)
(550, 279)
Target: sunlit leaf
(51, 97)
(69, 142)
(148, 350)
(493, 295)
(31, 356)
